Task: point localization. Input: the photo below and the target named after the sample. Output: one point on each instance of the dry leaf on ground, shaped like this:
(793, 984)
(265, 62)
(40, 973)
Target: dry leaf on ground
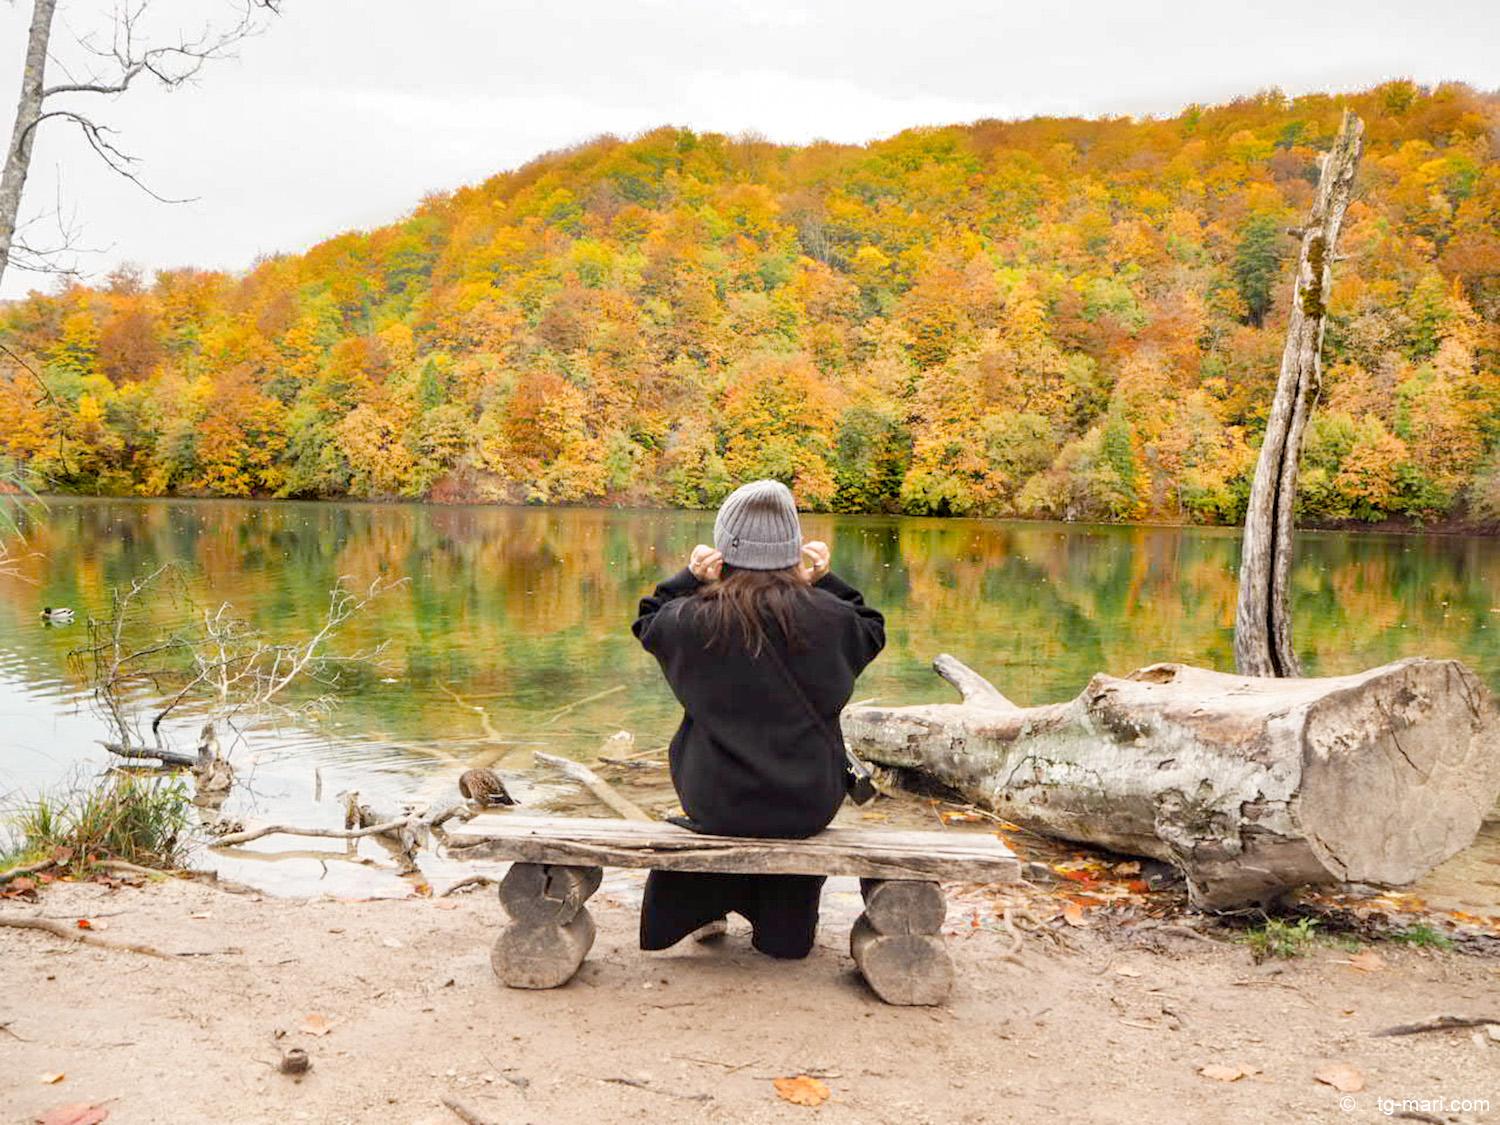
(1222, 1072)
(1342, 1077)
(315, 1024)
(51, 1079)
(1073, 914)
(1367, 961)
(75, 1113)
(801, 1090)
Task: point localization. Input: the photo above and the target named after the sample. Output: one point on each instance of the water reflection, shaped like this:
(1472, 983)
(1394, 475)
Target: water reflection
(523, 611)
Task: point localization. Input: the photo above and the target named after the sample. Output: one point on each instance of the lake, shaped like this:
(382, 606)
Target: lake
(526, 612)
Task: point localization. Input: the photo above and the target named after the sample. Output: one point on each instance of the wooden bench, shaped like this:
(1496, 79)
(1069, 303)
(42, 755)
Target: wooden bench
(558, 863)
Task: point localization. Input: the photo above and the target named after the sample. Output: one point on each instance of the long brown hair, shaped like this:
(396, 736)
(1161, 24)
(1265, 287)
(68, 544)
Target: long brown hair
(742, 603)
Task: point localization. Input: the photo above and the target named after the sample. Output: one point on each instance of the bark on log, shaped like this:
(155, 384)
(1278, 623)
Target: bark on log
(902, 968)
(1263, 621)
(536, 893)
(1251, 786)
(904, 906)
(544, 955)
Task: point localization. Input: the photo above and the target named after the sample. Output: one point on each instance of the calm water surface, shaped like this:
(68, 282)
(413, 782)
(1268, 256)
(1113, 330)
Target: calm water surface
(526, 611)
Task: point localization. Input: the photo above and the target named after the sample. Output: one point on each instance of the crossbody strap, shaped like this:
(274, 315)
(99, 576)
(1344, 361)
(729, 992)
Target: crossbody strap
(859, 769)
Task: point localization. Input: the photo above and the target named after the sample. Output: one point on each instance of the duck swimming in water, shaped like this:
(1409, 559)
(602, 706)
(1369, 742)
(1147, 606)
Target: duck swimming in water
(57, 613)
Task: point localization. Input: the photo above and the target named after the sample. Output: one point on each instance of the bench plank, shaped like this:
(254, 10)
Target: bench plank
(872, 853)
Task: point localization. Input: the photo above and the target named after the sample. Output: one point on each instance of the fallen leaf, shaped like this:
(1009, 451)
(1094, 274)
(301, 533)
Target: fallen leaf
(1220, 1072)
(75, 1113)
(21, 884)
(1367, 961)
(315, 1024)
(52, 1079)
(1342, 1077)
(1073, 914)
(1130, 868)
(801, 1090)
(85, 924)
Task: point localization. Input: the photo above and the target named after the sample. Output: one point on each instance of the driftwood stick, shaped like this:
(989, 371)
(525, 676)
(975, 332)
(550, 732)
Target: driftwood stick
(464, 1113)
(249, 834)
(596, 785)
(1438, 1023)
(26, 869)
(468, 883)
(560, 712)
(166, 757)
(72, 933)
(134, 868)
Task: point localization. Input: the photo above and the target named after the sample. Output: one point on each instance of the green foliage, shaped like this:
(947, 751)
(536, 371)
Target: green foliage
(122, 816)
(1257, 264)
(1423, 936)
(1278, 938)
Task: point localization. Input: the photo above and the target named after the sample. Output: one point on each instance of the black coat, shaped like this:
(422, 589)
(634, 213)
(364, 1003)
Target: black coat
(750, 757)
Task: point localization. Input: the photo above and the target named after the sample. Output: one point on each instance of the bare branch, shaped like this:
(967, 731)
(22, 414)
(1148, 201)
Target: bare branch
(171, 65)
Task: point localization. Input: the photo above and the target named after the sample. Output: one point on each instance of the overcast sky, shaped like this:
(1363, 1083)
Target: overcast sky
(345, 114)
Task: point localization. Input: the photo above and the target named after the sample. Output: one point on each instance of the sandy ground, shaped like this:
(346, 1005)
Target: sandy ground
(396, 1004)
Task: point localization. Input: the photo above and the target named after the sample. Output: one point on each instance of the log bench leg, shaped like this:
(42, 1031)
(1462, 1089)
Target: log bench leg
(896, 942)
(551, 930)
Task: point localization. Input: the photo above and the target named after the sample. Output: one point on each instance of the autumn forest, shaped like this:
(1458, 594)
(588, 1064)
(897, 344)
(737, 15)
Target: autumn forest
(1053, 318)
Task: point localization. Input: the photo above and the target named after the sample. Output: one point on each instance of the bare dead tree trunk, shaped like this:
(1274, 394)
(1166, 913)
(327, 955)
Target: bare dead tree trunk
(23, 133)
(1263, 624)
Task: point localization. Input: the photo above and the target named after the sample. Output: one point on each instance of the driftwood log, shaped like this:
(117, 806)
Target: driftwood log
(1251, 786)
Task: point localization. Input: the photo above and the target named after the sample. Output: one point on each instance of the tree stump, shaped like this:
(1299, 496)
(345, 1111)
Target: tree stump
(896, 942)
(551, 930)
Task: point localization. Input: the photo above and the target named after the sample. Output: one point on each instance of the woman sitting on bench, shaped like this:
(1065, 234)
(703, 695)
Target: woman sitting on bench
(761, 644)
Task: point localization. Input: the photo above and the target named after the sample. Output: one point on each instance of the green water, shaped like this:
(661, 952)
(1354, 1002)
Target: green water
(526, 611)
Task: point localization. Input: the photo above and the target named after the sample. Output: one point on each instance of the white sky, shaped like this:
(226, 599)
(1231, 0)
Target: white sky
(345, 113)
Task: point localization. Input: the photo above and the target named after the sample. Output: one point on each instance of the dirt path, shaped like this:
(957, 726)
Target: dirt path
(1112, 1030)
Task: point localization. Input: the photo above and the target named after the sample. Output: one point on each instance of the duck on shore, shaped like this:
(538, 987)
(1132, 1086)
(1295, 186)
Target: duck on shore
(57, 613)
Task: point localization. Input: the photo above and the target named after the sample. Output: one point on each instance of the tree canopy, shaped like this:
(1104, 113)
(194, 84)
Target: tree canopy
(1053, 317)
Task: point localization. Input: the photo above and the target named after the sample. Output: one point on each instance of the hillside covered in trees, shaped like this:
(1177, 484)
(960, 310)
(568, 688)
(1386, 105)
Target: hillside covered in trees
(1054, 317)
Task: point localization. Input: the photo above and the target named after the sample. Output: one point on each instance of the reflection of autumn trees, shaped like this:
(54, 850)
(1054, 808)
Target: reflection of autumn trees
(1061, 318)
(529, 607)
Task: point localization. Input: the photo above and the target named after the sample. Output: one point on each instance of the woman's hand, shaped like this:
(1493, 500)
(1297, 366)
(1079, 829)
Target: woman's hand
(814, 562)
(706, 563)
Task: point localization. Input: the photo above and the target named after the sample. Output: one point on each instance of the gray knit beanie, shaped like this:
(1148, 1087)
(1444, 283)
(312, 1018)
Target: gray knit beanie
(757, 528)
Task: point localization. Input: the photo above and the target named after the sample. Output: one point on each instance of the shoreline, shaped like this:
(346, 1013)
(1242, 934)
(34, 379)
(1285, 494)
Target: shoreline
(396, 1005)
(1451, 529)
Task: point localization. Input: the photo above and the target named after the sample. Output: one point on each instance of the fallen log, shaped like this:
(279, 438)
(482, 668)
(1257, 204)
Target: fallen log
(1251, 786)
(603, 790)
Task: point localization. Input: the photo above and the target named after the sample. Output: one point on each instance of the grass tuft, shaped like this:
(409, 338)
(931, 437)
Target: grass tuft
(139, 820)
(1423, 936)
(1282, 939)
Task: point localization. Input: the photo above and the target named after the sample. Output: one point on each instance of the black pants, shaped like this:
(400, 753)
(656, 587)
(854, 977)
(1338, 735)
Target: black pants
(781, 909)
